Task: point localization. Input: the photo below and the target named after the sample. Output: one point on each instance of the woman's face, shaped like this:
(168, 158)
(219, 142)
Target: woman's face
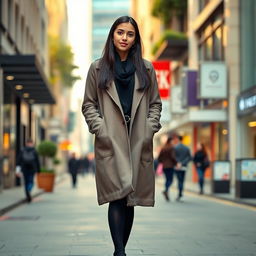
(199, 146)
(124, 38)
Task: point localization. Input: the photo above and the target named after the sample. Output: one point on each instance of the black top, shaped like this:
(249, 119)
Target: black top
(33, 165)
(124, 81)
(201, 159)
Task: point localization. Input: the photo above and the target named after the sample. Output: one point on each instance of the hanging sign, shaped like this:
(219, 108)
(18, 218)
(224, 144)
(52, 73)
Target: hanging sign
(163, 75)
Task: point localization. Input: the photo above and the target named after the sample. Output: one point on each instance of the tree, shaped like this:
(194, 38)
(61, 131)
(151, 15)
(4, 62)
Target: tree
(61, 62)
(166, 9)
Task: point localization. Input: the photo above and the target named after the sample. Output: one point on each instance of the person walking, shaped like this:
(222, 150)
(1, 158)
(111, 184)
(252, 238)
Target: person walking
(28, 161)
(73, 166)
(201, 162)
(122, 108)
(183, 157)
(167, 158)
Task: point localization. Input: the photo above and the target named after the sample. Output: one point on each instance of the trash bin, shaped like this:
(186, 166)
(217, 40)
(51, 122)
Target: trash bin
(246, 178)
(221, 177)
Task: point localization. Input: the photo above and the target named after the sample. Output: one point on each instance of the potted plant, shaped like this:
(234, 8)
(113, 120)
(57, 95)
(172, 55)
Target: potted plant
(46, 177)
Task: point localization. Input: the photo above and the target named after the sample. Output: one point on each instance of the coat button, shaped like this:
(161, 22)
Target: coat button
(123, 122)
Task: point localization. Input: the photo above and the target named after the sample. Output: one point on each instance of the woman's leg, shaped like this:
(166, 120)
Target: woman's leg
(200, 179)
(120, 219)
(128, 223)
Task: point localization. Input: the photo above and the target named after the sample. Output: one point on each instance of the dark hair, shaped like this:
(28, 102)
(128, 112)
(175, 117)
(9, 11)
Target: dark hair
(203, 148)
(176, 135)
(29, 140)
(106, 74)
(169, 140)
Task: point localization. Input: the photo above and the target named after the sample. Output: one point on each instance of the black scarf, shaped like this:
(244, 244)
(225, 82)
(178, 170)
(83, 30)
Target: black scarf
(124, 80)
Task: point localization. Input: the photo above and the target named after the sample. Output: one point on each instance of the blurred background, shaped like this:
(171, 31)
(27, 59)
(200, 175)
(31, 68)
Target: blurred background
(204, 55)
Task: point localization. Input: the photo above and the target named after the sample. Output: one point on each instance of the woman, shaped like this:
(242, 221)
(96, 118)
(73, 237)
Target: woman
(201, 162)
(167, 158)
(122, 108)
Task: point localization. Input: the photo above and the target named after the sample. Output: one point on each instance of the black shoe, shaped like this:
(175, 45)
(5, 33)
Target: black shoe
(29, 199)
(166, 196)
(119, 254)
(178, 199)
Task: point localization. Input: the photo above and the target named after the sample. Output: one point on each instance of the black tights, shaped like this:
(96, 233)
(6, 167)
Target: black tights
(120, 219)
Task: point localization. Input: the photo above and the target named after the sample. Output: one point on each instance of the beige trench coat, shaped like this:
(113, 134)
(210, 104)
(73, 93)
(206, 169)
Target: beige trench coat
(124, 161)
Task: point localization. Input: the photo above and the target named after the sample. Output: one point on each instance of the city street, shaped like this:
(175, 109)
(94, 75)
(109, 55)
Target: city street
(69, 222)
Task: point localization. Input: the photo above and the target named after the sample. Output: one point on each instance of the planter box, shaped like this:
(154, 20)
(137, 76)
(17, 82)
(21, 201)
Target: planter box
(46, 181)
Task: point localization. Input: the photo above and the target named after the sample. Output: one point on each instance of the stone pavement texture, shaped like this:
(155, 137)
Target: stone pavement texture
(69, 222)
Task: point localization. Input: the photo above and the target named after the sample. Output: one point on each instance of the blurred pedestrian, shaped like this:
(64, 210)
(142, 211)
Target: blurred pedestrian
(183, 157)
(201, 162)
(167, 158)
(73, 166)
(84, 164)
(122, 108)
(28, 163)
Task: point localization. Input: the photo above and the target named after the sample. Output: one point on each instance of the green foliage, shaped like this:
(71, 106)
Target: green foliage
(166, 9)
(56, 161)
(168, 34)
(47, 149)
(44, 170)
(61, 62)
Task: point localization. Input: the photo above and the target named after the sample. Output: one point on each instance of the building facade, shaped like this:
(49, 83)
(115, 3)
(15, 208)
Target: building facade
(221, 47)
(24, 89)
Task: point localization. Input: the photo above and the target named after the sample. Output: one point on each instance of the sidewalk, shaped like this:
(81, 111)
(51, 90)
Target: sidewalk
(69, 222)
(13, 197)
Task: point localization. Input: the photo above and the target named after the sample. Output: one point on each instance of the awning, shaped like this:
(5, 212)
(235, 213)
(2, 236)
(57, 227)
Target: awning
(195, 116)
(172, 49)
(24, 75)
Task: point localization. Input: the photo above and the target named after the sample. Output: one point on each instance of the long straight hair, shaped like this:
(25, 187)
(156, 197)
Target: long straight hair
(106, 74)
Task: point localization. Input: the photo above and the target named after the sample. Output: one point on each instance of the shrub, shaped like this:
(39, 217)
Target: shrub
(47, 149)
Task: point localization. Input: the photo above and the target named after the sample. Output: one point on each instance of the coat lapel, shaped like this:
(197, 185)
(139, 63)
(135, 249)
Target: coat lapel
(112, 92)
(137, 96)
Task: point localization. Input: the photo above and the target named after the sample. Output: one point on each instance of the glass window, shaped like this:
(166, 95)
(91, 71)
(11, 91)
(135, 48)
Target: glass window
(248, 47)
(202, 4)
(211, 38)
(17, 23)
(201, 52)
(217, 44)
(9, 14)
(208, 49)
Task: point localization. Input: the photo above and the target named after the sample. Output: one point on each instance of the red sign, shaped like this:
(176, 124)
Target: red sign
(163, 75)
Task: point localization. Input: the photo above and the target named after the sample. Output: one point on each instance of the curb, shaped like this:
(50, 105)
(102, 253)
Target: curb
(24, 201)
(236, 201)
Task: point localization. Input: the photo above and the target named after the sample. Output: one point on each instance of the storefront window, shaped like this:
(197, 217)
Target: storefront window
(8, 136)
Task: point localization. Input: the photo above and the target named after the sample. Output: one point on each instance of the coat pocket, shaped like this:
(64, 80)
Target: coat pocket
(103, 144)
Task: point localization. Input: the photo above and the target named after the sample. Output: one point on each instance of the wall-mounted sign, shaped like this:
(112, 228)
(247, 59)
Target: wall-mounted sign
(176, 100)
(163, 75)
(221, 170)
(189, 88)
(246, 102)
(248, 170)
(213, 80)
